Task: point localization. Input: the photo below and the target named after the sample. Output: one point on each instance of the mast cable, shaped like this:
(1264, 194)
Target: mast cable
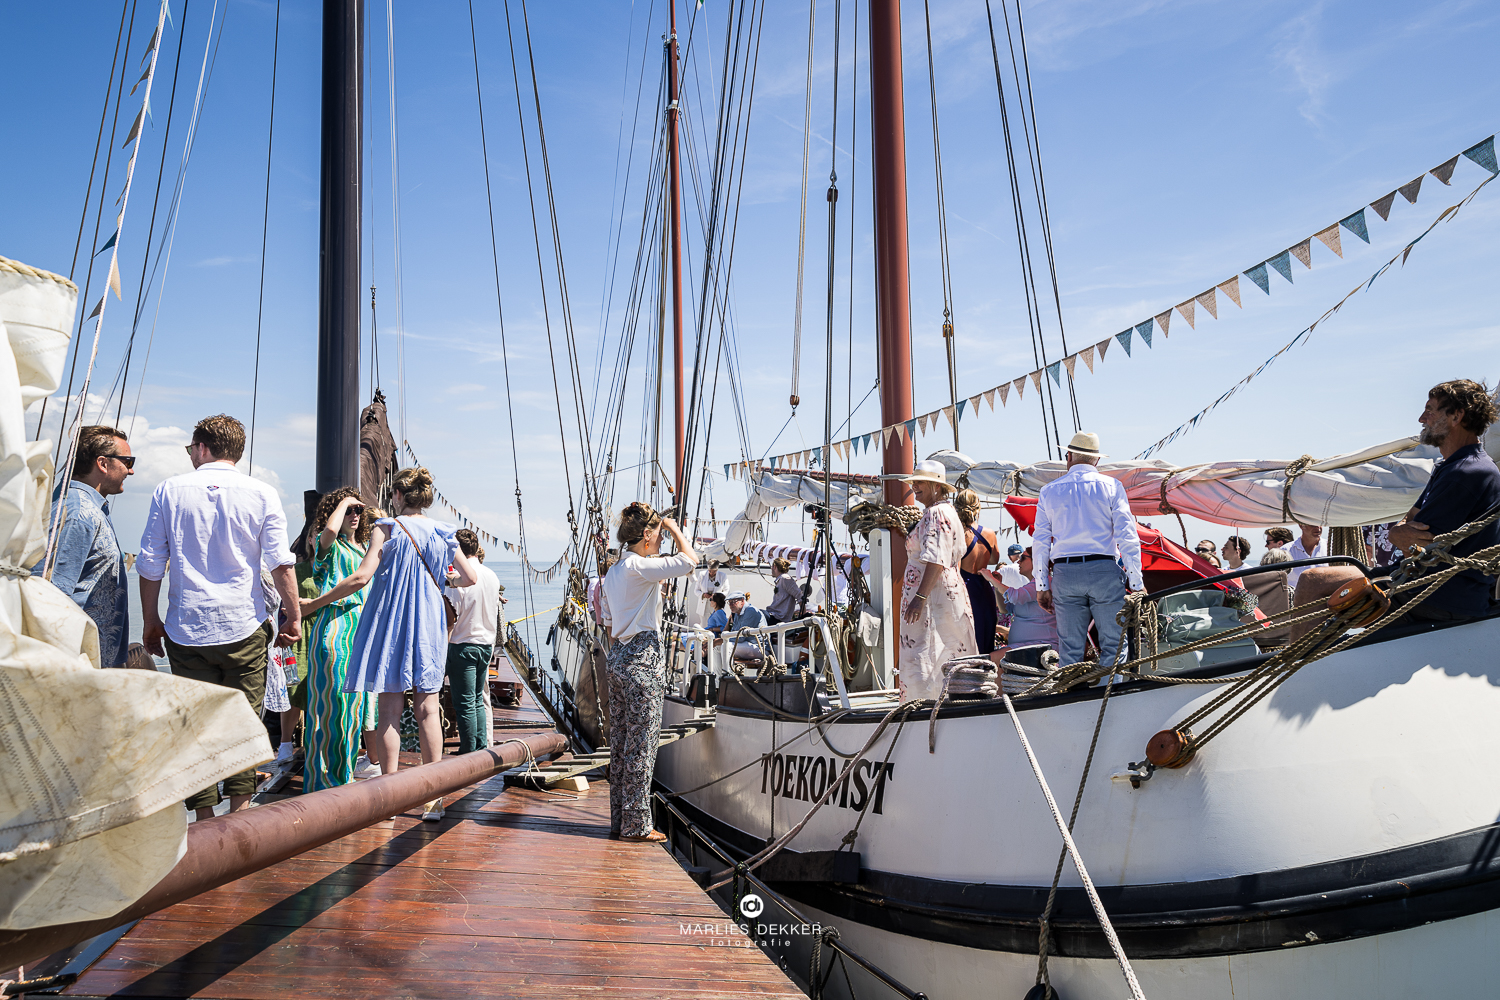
(265, 225)
(802, 211)
(942, 223)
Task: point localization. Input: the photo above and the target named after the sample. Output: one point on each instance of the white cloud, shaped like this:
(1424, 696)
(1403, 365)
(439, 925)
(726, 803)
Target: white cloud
(1301, 53)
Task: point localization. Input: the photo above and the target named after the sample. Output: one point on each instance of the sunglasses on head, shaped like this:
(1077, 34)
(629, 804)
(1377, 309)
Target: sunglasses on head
(129, 460)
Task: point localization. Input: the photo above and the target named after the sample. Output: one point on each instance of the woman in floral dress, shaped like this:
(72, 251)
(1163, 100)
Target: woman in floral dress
(937, 623)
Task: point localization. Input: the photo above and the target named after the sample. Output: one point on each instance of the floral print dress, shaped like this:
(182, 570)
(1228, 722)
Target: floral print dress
(946, 628)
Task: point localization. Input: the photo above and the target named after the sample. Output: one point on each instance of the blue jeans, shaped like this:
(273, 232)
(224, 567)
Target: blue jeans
(1082, 592)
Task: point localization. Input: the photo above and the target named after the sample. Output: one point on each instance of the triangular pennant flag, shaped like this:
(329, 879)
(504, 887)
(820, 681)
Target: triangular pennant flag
(952, 415)
(1102, 347)
(100, 307)
(989, 396)
(1356, 225)
(135, 130)
(1088, 358)
(151, 45)
(1208, 301)
(1036, 379)
(1443, 171)
(1231, 288)
(1124, 339)
(911, 429)
(1162, 319)
(1409, 190)
(922, 424)
(112, 237)
(885, 436)
(1020, 385)
(960, 408)
(866, 443)
(1261, 278)
(1282, 262)
(974, 402)
(1186, 309)
(1330, 239)
(1483, 153)
(1146, 333)
(144, 73)
(1382, 206)
(114, 275)
(1054, 370)
(1303, 252)
(1070, 362)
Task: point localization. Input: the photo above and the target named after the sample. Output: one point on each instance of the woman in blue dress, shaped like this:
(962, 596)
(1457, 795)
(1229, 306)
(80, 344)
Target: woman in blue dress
(402, 641)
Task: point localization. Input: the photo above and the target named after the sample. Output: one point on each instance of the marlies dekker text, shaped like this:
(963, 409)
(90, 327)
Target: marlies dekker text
(809, 779)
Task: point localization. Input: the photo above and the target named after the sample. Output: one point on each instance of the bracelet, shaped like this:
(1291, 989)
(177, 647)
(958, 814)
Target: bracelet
(919, 597)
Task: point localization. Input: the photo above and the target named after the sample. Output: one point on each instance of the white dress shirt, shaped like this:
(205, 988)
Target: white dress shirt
(1084, 513)
(1299, 551)
(217, 527)
(478, 608)
(632, 588)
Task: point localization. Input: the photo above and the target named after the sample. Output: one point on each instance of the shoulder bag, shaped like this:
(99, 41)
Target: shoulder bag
(450, 613)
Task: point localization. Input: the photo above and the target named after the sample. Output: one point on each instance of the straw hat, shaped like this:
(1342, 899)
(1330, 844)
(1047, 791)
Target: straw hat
(926, 472)
(1087, 444)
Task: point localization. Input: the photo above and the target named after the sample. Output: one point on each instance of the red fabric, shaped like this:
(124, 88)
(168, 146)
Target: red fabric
(1164, 563)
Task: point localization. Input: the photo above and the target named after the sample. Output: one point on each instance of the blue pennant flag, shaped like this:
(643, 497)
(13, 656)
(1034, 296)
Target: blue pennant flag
(773, 460)
(1261, 278)
(865, 443)
(1282, 262)
(1144, 331)
(1356, 225)
(960, 408)
(726, 471)
(112, 237)
(1052, 370)
(911, 429)
(1484, 154)
(1124, 339)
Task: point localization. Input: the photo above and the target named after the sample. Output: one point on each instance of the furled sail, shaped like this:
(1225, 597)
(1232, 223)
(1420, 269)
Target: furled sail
(94, 764)
(786, 489)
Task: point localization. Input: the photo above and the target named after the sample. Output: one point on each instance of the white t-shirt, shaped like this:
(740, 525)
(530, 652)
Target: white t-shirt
(1299, 551)
(478, 609)
(633, 592)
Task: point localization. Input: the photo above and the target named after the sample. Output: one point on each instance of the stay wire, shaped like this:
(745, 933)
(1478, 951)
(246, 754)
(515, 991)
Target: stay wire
(812, 12)
(833, 208)
(265, 226)
(949, 348)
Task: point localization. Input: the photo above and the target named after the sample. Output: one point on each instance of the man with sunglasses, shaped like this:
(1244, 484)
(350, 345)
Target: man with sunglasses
(88, 565)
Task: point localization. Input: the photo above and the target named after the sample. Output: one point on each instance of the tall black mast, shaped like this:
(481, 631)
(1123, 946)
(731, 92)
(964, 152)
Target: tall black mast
(338, 239)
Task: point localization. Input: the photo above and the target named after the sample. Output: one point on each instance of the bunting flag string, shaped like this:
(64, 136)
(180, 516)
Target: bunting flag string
(1329, 236)
(1448, 215)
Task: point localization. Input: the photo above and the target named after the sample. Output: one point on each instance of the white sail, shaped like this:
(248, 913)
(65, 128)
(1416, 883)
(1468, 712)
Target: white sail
(94, 764)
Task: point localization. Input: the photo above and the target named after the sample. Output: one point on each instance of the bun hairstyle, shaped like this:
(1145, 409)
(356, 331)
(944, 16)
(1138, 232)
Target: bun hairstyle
(415, 486)
(966, 502)
(635, 519)
(783, 564)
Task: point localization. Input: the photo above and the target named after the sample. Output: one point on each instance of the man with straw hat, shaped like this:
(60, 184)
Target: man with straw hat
(937, 623)
(1083, 525)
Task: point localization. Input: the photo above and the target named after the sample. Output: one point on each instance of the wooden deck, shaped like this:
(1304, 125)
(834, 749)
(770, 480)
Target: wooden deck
(515, 893)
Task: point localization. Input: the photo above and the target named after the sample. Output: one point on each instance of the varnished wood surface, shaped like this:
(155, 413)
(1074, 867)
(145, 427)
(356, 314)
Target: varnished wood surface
(515, 893)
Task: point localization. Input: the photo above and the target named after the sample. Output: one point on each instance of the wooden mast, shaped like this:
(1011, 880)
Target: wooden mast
(337, 462)
(674, 185)
(892, 294)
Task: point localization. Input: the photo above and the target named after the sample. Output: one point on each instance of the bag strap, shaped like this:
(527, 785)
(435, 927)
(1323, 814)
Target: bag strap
(421, 558)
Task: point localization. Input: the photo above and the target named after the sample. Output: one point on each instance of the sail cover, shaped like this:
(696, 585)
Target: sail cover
(1372, 486)
(785, 489)
(94, 764)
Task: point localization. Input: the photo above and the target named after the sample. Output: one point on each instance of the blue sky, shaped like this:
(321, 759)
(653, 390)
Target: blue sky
(1183, 142)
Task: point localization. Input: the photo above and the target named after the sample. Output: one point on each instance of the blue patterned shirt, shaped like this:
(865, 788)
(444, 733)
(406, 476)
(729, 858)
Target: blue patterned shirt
(90, 568)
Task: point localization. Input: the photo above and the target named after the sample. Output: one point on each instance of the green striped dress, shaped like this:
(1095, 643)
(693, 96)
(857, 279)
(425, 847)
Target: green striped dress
(334, 717)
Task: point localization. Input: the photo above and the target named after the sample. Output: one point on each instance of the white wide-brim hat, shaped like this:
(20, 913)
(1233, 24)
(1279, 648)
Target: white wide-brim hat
(925, 472)
(1085, 443)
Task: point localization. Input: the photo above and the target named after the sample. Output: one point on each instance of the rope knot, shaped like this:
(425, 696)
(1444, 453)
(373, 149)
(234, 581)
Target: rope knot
(1292, 472)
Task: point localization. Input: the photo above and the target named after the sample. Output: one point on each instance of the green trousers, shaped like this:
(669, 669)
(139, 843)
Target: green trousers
(468, 671)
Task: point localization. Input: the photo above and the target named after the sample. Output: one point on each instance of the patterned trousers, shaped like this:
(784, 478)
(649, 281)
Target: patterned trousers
(637, 683)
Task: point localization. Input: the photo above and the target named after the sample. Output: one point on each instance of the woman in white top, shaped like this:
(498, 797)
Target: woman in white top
(637, 669)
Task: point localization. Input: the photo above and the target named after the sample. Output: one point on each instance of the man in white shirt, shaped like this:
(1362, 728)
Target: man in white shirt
(471, 644)
(1308, 546)
(217, 528)
(1083, 525)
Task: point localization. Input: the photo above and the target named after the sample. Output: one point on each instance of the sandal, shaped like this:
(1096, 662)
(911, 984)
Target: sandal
(654, 837)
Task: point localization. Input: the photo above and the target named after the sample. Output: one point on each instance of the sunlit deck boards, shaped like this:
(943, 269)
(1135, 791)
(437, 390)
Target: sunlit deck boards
(516, 893)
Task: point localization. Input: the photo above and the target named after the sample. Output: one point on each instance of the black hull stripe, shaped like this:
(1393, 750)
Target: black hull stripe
(1378, 893)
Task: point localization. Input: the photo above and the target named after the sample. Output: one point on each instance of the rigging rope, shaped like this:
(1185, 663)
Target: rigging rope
(812, 12)
(265, 226)
(390, 58)
(949, 347)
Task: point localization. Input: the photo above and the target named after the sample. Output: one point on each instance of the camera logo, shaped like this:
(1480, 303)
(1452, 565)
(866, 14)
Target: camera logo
(752, 906)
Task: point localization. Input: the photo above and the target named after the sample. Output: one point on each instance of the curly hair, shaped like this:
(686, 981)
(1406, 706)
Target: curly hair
(1472, 399)
(329, 504)
(966, 502)
(635, 520)
(415, 486)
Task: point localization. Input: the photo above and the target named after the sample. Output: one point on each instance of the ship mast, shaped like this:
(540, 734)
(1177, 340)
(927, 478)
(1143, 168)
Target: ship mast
(674, 186)
(337, 462)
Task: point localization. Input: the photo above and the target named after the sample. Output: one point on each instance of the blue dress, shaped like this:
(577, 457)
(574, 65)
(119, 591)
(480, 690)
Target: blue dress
(402, 641)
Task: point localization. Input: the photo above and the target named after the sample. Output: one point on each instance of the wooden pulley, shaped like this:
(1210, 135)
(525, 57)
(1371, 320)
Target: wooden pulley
(1171, 748)
(1363, 599)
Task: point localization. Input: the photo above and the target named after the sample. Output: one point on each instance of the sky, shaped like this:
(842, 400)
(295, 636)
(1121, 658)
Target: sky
(1182, 143)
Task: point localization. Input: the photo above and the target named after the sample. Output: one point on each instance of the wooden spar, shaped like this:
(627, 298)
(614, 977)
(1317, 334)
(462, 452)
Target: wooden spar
(228, 847)
(337, 462)
(893, 296)
(674, 185)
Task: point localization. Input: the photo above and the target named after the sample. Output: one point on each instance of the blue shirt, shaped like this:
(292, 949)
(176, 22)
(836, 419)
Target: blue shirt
(750, 617)
(717, 621)
(90, 568)
(1463, 488)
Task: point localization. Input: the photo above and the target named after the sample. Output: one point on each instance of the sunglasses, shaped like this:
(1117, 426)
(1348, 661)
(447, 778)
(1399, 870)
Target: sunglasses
(129, 460)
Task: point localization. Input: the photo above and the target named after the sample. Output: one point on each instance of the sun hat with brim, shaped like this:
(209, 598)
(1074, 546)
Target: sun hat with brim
(736, 596)
(926, 472)
(1085, 443)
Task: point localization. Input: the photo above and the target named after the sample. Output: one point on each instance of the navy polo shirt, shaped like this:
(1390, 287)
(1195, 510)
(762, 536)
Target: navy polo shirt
(1463, 488)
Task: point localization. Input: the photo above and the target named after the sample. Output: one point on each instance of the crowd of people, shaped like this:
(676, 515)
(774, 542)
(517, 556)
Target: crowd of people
(334, 630)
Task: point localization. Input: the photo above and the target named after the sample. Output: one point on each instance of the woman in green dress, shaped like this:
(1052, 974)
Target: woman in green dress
(335, 718)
